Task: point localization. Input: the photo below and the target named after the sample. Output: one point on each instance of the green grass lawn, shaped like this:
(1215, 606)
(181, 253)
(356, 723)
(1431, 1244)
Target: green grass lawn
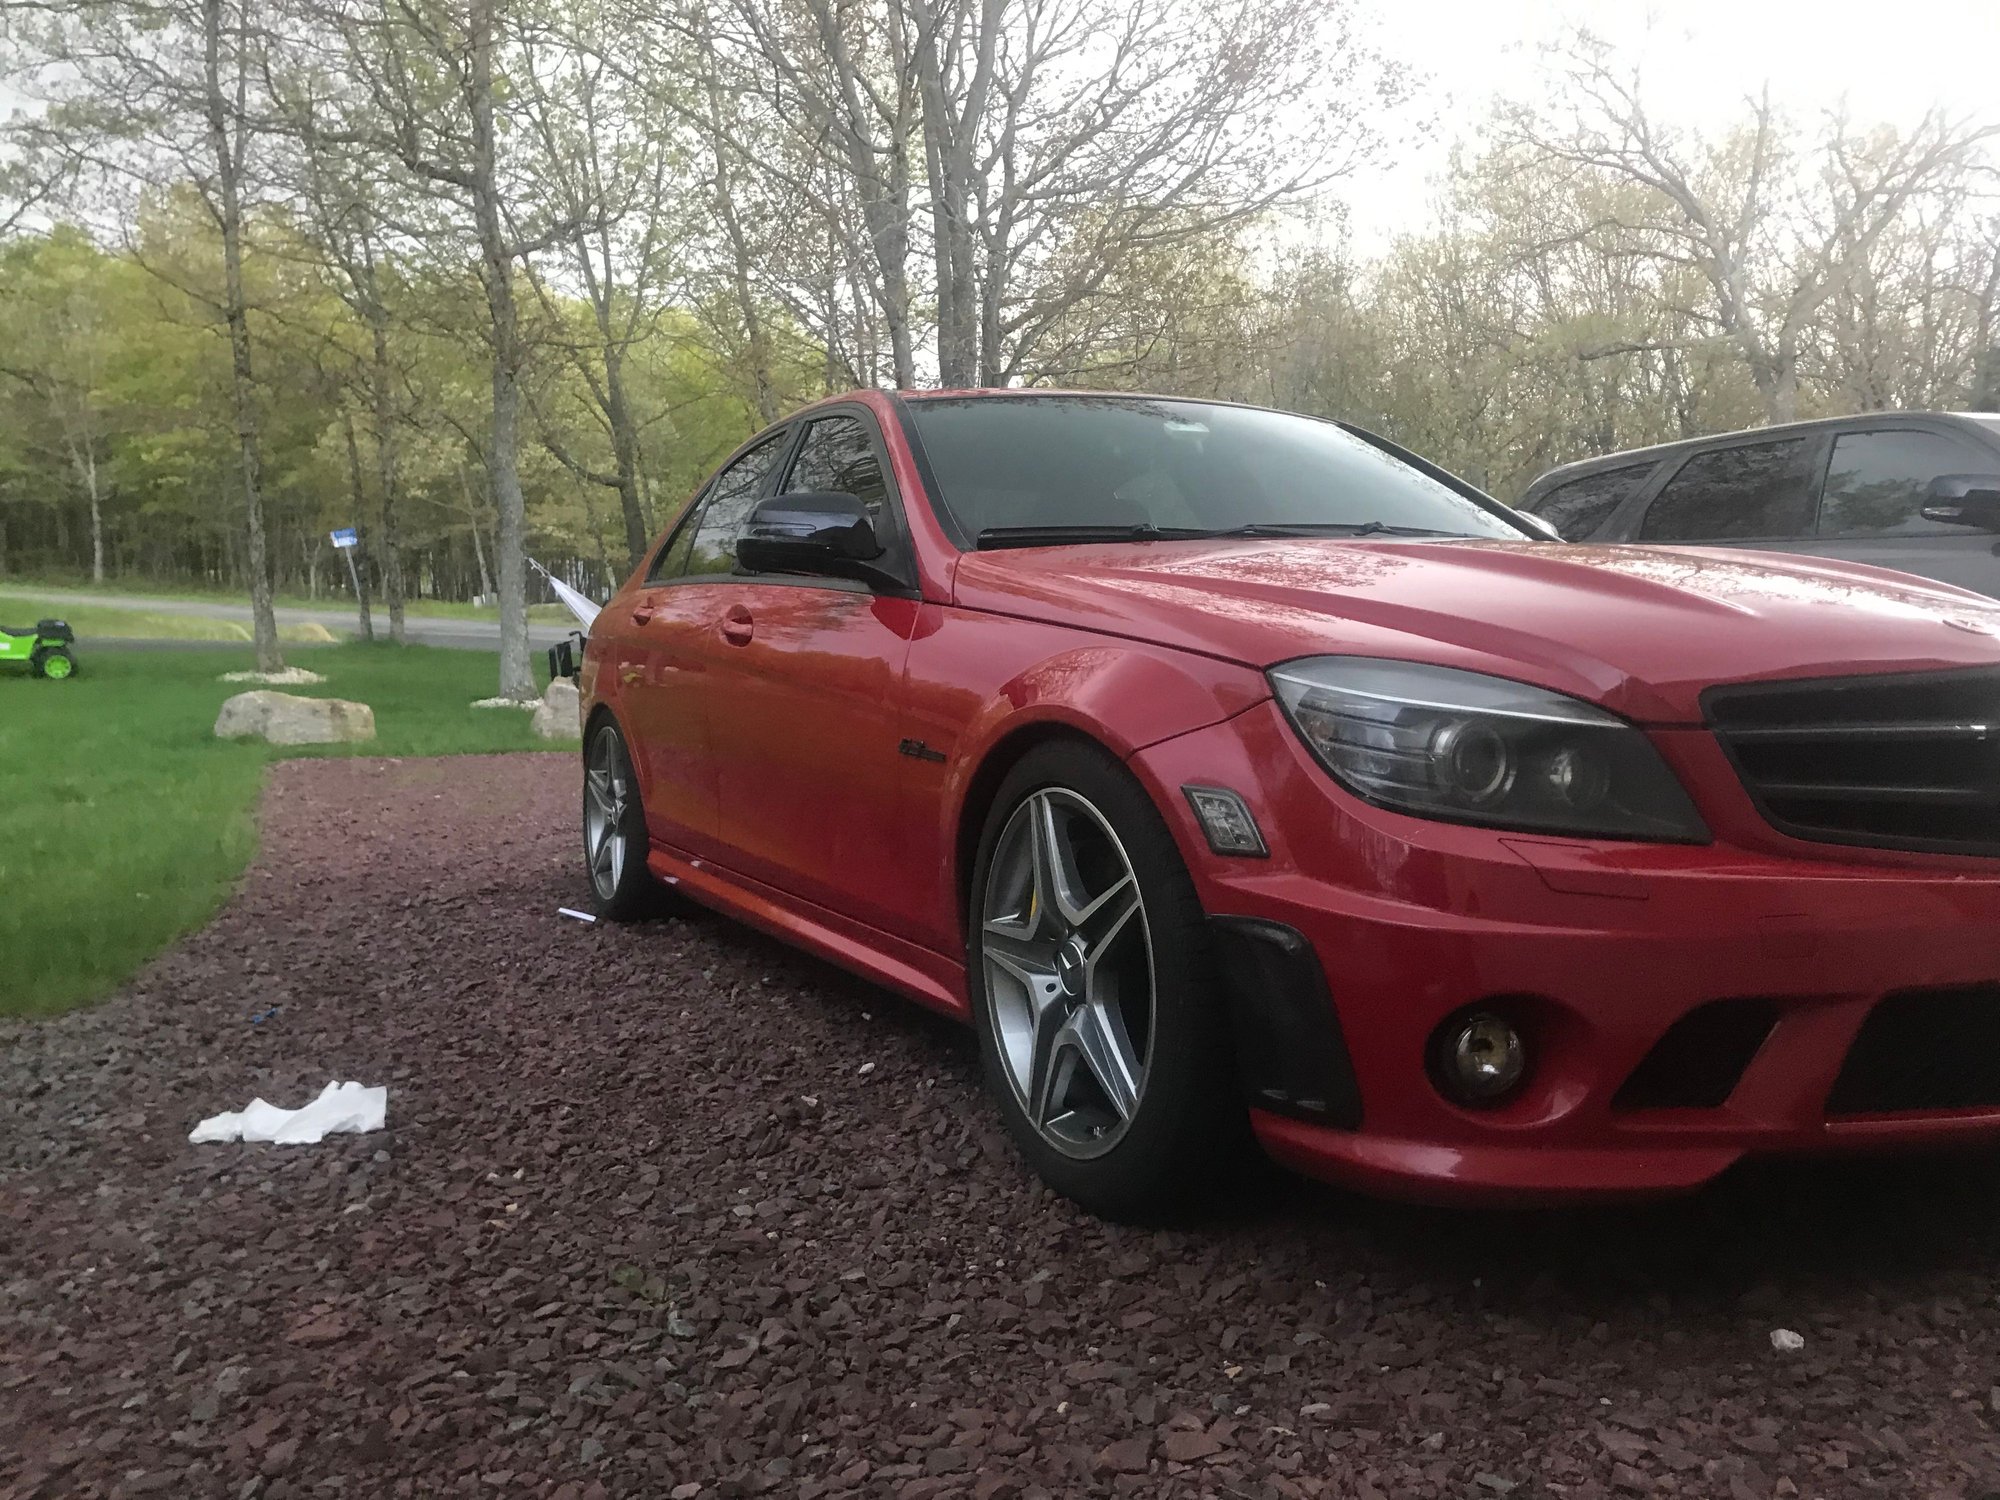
(138, 592)
(123, 821)
(110, 622)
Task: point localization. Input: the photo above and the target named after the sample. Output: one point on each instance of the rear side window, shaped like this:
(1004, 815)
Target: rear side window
(730, 500)
(1577, 509)
(672, 559)
(1750, 490)
(1877, 482)
(835, 454)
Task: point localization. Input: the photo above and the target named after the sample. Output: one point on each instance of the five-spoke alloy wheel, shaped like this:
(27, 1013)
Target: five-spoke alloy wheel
(614, 828)
(1092, 988)
(1069, 971)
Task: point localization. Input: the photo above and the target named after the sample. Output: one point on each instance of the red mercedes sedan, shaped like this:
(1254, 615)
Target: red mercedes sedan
(1236, 773)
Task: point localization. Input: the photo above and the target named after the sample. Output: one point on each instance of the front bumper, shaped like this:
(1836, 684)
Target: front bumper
(1598, 949)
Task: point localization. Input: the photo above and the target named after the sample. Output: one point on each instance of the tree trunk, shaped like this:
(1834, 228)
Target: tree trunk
(503, 445)
(472, 519)
(624, 448)
(87, 471)
(387, 540)
(755, 343)
(360, 496)
(228, 172)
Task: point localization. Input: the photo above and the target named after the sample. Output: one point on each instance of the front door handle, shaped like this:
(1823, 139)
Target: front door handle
(738, 626)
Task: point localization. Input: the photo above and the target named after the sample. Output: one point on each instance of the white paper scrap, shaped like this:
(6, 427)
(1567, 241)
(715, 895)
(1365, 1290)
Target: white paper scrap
(341, 1108)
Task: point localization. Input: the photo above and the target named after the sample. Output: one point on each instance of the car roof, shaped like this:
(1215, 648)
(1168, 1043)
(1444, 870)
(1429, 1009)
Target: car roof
(1632, 457)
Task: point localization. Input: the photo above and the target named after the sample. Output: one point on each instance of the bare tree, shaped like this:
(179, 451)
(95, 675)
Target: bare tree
(154, 94)
(613, 170)
(1771, 246)
(431, 75)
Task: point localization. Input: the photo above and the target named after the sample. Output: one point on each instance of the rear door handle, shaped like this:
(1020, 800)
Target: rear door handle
(738, 626)
(641, 613)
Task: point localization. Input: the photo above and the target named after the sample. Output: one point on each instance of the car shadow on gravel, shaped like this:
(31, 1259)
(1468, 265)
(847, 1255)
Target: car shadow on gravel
(1891, 1222)
(1886, 1219)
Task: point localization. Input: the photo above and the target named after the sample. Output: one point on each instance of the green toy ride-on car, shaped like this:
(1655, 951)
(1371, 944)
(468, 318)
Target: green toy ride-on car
(48, 647)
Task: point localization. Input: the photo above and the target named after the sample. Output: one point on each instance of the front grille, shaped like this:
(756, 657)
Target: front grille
(1923, 1049)
(1904, 762)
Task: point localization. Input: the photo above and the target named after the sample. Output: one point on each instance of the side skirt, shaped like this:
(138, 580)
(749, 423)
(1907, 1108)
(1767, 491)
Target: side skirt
(928, 978)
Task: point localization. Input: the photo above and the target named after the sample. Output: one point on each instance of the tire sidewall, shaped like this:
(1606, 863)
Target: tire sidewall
(636, 893)
(1169, 1148)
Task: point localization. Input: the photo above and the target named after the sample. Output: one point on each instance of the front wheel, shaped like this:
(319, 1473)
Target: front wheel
(1093, 992)
(614, 830)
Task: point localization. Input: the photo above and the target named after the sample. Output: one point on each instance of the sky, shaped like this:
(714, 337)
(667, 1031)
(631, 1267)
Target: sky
(1886, 62)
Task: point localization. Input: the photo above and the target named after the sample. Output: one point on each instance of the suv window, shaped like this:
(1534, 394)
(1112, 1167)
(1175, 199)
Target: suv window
(730, 500)
(836, 454)
(1877, 482)
(1749, 490)
(1578, 508)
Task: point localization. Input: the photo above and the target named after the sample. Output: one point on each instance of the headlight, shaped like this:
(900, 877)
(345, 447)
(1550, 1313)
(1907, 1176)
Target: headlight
(1468, 748)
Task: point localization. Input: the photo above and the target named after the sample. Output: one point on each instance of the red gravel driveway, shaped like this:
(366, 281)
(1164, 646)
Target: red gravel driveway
(670, 1211)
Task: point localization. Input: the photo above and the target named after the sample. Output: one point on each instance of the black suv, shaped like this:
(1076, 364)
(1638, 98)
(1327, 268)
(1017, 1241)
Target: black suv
(1915, 491)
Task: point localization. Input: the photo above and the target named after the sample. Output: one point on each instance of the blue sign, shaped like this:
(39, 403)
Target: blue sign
(345, 537)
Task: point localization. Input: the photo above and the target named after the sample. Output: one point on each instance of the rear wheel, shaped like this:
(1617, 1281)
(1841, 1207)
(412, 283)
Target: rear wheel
(614, 830)
(52, 661)
(1092, 987)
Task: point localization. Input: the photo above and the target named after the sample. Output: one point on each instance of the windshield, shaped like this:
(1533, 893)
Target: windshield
(1110, 464)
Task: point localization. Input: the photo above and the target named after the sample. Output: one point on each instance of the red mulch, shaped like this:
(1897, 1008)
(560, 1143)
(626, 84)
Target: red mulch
(641, 1225)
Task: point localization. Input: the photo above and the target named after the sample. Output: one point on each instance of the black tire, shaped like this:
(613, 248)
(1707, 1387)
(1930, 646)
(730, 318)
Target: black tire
(1189, 1121)
(625, 890)
(38, 662)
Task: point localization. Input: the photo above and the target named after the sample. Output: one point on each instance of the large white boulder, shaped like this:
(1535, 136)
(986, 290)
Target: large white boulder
(560, 714)
(287, 719)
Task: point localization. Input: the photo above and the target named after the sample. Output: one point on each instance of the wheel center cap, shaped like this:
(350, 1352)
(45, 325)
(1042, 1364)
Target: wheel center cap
(1069, 967)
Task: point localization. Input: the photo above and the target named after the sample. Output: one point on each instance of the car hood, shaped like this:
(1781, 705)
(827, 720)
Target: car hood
(1641, 630)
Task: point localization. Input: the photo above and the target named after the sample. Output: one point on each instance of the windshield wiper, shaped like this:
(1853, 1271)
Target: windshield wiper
(1328, 528)
(1057, 536)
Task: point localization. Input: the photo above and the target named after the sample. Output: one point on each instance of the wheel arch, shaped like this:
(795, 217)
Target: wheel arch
(984, 786)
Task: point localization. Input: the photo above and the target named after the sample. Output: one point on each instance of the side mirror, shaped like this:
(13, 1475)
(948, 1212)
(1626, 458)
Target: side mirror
(1964, 500)
(826, 533)
(566, 656)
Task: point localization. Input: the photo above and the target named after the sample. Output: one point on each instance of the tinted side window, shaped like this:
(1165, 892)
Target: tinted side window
(730, 500)
(835, 454)
(1875, 484)
(1751, 490)
(672, 559)
(1578, 508)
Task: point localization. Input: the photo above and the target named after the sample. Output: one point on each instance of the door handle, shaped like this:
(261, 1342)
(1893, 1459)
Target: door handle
(641, 613)
(738, 626)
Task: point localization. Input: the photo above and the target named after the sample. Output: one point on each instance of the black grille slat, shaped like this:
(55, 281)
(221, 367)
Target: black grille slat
(1923, 1049)
(1903, 762)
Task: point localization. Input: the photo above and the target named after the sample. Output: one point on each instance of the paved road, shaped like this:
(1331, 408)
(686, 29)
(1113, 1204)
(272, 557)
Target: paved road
(472, 635)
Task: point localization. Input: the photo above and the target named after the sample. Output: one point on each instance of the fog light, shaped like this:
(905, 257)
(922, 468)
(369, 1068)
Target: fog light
(1481, 1059)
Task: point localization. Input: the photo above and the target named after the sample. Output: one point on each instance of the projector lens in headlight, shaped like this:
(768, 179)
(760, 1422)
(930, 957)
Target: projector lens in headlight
(1468, 748)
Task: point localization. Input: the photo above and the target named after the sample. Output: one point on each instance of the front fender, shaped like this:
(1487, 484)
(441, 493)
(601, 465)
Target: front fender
(983, 689)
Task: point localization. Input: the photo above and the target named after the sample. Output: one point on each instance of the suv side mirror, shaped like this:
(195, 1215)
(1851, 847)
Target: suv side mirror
(1964, 500)
(827, 533)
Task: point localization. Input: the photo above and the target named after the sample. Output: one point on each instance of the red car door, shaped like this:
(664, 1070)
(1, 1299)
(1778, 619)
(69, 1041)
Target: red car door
(666, 653)
(806, 709)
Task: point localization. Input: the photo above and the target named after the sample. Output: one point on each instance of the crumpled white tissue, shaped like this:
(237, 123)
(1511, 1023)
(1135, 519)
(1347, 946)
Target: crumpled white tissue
(340, 1108)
